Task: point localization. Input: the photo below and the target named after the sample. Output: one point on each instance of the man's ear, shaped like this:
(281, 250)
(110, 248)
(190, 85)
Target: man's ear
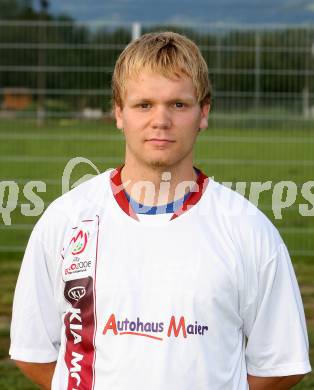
(205, 108)
(118, 115)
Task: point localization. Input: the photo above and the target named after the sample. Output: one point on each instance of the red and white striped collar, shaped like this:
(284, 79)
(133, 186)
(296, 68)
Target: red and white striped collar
(120, 197)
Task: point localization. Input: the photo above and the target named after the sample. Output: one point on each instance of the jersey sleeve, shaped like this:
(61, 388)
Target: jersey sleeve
(274, 321)
(36, 323)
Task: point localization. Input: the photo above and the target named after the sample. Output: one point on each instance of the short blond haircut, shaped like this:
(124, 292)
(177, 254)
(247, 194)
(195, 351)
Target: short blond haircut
(167, 53)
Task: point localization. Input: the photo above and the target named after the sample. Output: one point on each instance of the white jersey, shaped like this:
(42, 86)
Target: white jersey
(195, 301)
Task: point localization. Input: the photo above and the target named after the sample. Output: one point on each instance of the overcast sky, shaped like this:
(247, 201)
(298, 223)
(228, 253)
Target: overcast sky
(193, 11)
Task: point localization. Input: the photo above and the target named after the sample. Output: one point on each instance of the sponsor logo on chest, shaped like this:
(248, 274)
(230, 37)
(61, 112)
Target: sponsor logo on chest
(79, 253)
(176, 327)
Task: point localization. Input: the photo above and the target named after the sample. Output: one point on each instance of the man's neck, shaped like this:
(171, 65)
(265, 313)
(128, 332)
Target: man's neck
(157, 186)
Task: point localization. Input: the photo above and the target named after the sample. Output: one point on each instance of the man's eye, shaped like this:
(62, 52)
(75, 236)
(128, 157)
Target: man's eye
(179, 105)
(144, 105)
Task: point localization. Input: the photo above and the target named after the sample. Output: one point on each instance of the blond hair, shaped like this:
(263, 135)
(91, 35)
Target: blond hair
(167, 53)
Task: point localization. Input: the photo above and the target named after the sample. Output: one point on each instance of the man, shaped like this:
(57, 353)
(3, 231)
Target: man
(143, 278)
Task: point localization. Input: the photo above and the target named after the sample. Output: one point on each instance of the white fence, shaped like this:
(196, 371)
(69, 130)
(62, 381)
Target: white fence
(258, 74)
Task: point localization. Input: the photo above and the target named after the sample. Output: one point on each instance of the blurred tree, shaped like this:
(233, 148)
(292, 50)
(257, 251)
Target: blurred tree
(14, 9)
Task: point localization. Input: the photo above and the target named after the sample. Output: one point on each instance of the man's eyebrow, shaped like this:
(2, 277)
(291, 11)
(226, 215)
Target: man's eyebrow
(189, 99)
(139, 99)
(183, 98)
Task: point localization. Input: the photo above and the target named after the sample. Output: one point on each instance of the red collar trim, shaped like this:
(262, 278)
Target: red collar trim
(119, 194)
(196, 193)
(120, 197)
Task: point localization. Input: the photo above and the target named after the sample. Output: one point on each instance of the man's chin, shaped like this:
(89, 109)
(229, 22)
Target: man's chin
(159, 163)
(162, 163)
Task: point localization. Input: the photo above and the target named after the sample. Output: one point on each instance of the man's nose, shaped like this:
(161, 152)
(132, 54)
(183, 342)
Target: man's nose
(161, 118)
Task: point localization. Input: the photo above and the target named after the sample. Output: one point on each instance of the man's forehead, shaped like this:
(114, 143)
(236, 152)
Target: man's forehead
(151, 85)
(171, 73)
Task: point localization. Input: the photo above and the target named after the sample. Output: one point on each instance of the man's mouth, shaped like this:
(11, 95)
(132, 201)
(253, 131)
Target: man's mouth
(160, 141)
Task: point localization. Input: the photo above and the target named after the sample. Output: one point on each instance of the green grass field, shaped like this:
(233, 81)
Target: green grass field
(230, 155)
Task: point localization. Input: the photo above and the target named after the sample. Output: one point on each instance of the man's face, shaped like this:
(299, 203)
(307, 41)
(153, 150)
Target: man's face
(160, 119)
